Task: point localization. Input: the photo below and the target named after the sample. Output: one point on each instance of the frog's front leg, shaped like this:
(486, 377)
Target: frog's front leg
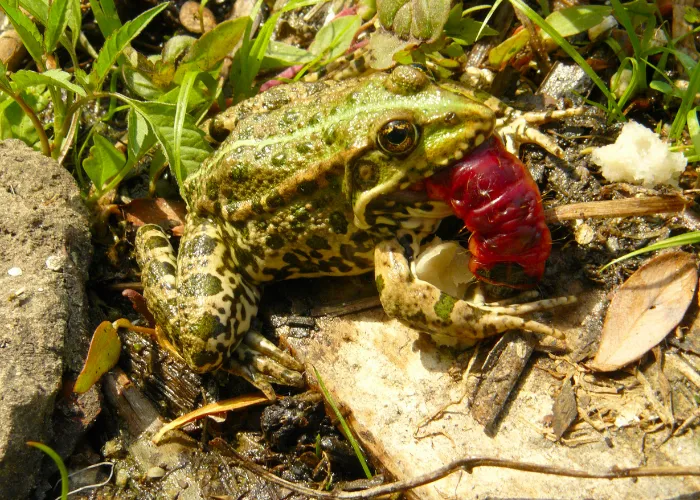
(206, 307)
(448, 320)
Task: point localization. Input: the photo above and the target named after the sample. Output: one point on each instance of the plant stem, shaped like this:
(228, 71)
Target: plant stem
(43, 138)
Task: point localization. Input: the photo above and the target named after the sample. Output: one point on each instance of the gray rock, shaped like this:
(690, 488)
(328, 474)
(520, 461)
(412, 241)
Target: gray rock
(44, 233)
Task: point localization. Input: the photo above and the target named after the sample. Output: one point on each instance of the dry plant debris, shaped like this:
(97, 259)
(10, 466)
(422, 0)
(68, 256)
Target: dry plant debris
(645, 309)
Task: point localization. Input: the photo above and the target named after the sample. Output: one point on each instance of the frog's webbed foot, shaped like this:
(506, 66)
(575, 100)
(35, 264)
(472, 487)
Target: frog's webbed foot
(449, 320)
(517, 128)
(262, 363)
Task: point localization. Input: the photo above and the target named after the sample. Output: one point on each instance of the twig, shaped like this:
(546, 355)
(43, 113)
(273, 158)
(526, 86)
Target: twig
(466, 464)
(627, 207)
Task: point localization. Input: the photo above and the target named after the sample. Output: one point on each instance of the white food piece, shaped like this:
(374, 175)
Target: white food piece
(444, 264)
(641, 157)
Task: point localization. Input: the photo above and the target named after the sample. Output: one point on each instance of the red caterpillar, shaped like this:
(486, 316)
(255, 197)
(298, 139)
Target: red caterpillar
(493, 193)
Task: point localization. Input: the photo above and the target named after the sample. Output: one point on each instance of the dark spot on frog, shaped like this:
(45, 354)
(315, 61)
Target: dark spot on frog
(274, 241)
(426, 207)
(167, 268)
(198, 285)
(257, 207)
(275, 98)
(263, 152)
(338, 222)
(274, 200)
(289, 117)
(154, 242)
(307, 187)
(304, 147)
(206, 358)
(315, 254)
(278, 160)
(203, 244)
(318, 243)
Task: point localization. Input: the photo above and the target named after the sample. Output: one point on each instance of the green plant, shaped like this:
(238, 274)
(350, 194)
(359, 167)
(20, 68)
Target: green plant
(59, 463)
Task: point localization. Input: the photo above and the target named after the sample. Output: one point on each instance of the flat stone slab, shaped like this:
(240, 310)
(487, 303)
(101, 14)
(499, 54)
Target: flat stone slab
(411, 414)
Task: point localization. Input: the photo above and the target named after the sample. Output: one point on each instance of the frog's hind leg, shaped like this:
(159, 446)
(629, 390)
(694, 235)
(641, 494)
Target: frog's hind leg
(213, 306)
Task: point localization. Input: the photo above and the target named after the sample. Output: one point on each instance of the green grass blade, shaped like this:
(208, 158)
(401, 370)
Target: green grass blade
(694, 129)
(183, 98)
(59, 463)
(690, 238)
(344, 425)
(571, 52)
(624, 18)
(117, 42)
(686, 104)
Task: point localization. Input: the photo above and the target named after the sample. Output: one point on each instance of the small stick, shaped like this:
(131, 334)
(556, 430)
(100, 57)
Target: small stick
(627, 207)
(464, 464)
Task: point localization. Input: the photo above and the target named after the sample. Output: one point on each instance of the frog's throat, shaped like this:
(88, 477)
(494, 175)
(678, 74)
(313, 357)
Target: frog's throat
(440, 210)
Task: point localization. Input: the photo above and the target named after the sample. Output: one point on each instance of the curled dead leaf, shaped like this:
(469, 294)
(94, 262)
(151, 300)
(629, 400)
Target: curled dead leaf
(645, 309)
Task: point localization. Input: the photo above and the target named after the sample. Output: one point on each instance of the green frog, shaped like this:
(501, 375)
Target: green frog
(315, 180)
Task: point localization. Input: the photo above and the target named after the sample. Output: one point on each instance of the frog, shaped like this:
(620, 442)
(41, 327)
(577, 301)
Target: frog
(315, 179)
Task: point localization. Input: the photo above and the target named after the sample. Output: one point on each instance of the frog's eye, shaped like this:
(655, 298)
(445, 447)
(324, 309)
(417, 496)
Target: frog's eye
(398, 137)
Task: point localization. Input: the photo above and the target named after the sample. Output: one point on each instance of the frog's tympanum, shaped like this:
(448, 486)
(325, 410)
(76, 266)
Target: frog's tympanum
(317, 180)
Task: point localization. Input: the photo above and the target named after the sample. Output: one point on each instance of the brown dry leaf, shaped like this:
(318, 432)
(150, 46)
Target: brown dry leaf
(237, 403)
(645, 309)
(165, 213)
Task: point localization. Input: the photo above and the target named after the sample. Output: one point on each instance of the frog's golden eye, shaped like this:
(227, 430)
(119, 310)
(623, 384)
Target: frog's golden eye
(398, 137)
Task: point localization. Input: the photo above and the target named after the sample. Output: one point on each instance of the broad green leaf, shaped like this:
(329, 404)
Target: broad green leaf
(106, 16)
(212, 47)
(28, 32)
(4, 82)
(39, 9)
(58, 20)
(105, 161)
(188, 82)
(56, 77)
(75, 20)
(577, 19)
(141, 85)
(466, 30)
(335, 37)
(193, 148)
(14, 122)
(281, 54)
(105, 348)
(418, 19)
(141, 138)
(117, 42)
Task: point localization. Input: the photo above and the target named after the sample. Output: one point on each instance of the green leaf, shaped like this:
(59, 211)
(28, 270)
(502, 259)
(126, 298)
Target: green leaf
(577, 19)
(56, 77)
(281, 54)
(4, 82)
(28, 32)
(212, 47)
(188, 82)
(105, 161)
(141, 138)
(14, 122)
(161, 118)
(692, 15)
(106, 16)
(117, 42)
(57, 22)
(466, 30)
(105, 348)
(335, 37)
(75, 20)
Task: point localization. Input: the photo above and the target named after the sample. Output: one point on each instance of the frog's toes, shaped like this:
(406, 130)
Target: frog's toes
(262, 363)
(520, 128)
